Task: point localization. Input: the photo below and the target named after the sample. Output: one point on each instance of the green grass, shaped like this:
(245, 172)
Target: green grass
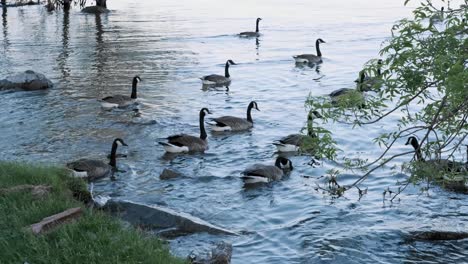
(94, 238)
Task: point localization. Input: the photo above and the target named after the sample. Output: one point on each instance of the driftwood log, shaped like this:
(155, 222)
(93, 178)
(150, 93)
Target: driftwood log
(56, 219)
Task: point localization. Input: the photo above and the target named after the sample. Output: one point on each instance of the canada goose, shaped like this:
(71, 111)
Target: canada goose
(266, 173)
(294, 142)
(445, 164)
(250, 33)
(311, 58)
(187, 143)
(119, 100)
(347, 97)
(215, 79)
(232, 123)
(95, 169)
(438, 17)
(370, 83)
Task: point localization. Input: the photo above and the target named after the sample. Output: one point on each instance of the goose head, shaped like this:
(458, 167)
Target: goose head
(283, 163)
(231, 62)
(313, 114)
(413, 141)
(362, 76)
(320, 40)
(253, 105)
(137, 79)
(204, 111)
(119, 142)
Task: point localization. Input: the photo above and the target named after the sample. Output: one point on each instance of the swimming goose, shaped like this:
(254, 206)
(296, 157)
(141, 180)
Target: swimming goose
(267, 173)
(250, 33)
(294, 142)
(215, 79)
(347, 97)
(232, 123)
(370, 83)
(95, 169)
(119, 100)
(445, 164)
(311, 58)
(187, 143)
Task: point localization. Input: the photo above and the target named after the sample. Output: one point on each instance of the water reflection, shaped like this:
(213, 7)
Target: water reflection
(5, 27)
(100, 46)
(65, 52)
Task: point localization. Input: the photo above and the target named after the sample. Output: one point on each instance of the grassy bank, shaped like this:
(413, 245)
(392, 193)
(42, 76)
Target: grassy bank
(94, 238)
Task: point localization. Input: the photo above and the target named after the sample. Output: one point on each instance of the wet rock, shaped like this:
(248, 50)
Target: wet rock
(161, 218)
(28, 80)
(168, 174)
(95, 10)
(220, 255)
(438, 235)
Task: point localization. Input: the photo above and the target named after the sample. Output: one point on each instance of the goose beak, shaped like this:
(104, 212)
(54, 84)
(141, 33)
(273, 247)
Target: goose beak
(257, 108)
(124, 144)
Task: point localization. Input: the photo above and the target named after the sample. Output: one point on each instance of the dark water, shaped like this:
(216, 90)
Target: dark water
(170, 44)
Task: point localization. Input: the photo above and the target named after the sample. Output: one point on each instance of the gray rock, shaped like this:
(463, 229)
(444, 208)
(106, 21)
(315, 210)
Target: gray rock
(162, 218)
(95, 10)
(220, 255)
(28, 80)
(168, 174)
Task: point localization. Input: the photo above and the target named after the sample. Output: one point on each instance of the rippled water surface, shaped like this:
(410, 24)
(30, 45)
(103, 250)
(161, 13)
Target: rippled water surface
(170, 44)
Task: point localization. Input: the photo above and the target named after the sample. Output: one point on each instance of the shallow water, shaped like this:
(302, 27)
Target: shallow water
(170, 45)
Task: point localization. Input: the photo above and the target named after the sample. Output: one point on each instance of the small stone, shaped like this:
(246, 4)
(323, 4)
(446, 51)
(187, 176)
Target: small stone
(168, 174)
(220, 255)
(95, 10)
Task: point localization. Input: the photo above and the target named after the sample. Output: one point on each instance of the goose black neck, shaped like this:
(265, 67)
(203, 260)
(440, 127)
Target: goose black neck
(249, 113)
(113, 160)
(310, 130)
(226, 70)
(202, 126)
(417, 148)
(317, 46)
(256, 29)
(134, 89)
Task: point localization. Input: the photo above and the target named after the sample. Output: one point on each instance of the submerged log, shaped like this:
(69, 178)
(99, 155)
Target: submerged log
(438, 235)
(162, 218)
(57, 219)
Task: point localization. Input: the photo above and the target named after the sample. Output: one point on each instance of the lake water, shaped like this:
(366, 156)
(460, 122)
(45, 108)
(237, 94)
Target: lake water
(170, 44)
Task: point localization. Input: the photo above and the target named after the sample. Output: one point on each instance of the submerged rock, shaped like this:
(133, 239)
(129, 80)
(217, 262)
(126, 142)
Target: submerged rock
(168, 174)
(28, 80)
(220, 255)
(95, 10)
(162, 218)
